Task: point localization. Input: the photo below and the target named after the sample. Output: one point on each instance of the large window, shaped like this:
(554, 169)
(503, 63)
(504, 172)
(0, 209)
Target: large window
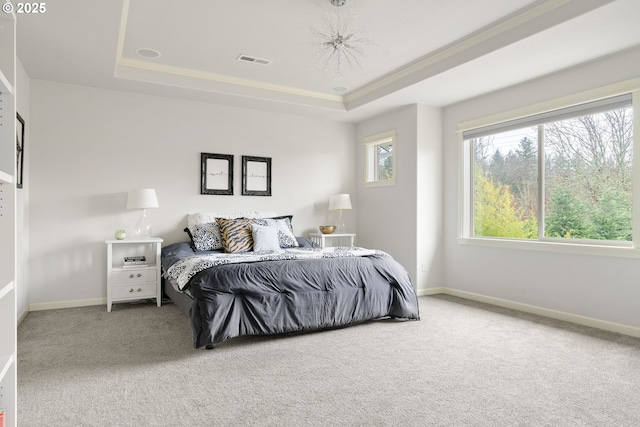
(563, 175)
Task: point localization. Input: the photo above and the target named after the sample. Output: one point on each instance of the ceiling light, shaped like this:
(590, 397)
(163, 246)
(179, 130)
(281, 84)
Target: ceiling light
(341, 42)
(340, 89)
(148, 53)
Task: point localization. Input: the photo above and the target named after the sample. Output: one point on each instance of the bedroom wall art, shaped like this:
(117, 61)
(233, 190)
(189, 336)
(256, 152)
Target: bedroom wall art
(216, 172)
(19, 149)
(256, 176)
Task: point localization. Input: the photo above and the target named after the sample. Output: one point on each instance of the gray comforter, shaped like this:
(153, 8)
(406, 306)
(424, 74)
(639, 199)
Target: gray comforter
(295, 295)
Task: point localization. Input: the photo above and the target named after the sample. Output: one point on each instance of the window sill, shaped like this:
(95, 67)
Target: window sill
(557, 247)
(380, 183)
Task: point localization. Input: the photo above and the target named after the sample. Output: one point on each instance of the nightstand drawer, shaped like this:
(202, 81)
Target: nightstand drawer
(134, 276)
(147, 290)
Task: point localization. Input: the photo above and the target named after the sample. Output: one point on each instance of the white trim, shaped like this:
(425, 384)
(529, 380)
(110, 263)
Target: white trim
(4, 290)
(534, 120)
(388, 134)
(442, 56)
(220, 78)
(465, 175)
(553, 246)
(368, 144)
(203, 75)
(67, 304)
(635, 180)
(431, 291)
(545, 312)
(5, 178)
(555, 104)
(540, 311)
(459, 48)
(5, 85)
(23, 315)
(465, 187)
(5, 364)
(385, 183)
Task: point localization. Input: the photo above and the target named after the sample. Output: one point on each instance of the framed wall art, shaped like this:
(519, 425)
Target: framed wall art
(19, 150)
(216, 172)
(256, 176)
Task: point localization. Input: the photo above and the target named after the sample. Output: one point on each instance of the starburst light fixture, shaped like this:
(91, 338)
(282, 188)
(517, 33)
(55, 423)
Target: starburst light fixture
(341, 42)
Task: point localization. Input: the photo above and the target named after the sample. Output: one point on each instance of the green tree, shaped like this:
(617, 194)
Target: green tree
(495, 212)
(612, 217)
(566, 217)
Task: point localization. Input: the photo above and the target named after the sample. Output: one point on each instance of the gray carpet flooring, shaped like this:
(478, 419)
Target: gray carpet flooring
(463, 364)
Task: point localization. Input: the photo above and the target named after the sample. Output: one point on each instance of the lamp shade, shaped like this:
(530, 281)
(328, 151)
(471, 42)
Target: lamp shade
(339, 201)
(142, 199)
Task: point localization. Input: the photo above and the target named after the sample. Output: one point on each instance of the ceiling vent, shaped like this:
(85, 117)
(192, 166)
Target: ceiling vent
(247, 58)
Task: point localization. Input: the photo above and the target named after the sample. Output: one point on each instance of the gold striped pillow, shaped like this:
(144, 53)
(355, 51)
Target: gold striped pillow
(235, 234)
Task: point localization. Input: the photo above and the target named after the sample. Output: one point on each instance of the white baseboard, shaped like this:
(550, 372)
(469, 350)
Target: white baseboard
(23, 315)
(67, 304)
(554, 314)
(545, 312)
(431, 291)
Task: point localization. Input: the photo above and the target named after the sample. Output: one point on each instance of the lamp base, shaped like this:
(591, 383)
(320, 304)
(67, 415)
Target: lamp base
(340, 226)
(143, 227)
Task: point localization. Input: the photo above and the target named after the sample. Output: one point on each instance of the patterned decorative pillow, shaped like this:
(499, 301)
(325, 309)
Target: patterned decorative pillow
(206, 237)
(282, 224)
(236, 234)
(209, 235)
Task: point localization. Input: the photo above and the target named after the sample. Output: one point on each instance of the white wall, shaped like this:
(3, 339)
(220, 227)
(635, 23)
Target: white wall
(22, 195)
(87, 147)
(604, 288)
(90, 146)
(404, 219)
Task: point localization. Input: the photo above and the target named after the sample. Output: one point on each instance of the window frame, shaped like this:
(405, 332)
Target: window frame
(371, 159)
(466, 189)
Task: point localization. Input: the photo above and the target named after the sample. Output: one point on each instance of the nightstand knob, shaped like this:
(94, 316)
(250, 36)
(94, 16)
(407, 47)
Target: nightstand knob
(139, 290)
(138, 275)
(131, 276)
(131, 290)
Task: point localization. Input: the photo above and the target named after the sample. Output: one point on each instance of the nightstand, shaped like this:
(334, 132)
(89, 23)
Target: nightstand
(127, 283)
(336, 239)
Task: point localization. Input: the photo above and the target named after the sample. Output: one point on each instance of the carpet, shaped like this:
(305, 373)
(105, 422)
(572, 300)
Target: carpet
(464, 364)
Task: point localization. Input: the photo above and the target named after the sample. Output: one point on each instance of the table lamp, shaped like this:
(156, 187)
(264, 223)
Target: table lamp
(340, 202)
(142, 199)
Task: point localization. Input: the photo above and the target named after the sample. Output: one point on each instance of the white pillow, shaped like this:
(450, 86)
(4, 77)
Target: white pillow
(265, 238)
(284, 228)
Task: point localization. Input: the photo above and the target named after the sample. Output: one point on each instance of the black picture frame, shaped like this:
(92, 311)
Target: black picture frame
(256, 176)
(216, 174)
(19, 150)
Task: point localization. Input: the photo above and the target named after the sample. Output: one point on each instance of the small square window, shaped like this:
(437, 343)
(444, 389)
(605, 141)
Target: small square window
(380, 159)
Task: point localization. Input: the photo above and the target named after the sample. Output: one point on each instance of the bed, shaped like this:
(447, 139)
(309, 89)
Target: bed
(290, 285)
